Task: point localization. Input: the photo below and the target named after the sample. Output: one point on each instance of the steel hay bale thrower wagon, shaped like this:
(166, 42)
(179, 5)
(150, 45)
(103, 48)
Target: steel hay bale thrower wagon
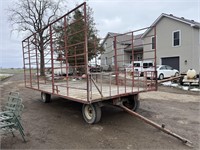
(67, 58)
(66, 64)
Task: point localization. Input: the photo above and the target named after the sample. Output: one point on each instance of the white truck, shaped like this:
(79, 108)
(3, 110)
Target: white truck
(139, 67)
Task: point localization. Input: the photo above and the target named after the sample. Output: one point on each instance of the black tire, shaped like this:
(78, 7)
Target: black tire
(91, 113)
(161, 76)
(132, 102)
(45, 97)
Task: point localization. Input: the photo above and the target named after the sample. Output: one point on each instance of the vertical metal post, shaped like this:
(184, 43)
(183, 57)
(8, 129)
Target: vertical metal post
(125, 81)
(146, 81)
(86, 52)
(116, 66)
(66, 54)
(132, 61)
(75, 61)
(124, 74)
(90, 86)
(101, 81)
(95, 56)
(61, 65)
(110, 83)
(52, 59)
(29, 57)
(155, 57)
(38, 82)
(24, 62)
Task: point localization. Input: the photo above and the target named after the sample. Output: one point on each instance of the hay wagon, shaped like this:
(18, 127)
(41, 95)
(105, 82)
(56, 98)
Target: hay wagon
(68, 69)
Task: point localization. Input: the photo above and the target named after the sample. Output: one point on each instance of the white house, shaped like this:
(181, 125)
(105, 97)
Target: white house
(124, 50)
(177, 42)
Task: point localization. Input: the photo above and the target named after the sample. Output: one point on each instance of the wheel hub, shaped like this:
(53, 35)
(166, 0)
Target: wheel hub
(88, 112)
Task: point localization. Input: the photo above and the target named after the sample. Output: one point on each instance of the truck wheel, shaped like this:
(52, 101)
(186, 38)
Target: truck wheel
(132, 102)
(46, 98)
(91, 113)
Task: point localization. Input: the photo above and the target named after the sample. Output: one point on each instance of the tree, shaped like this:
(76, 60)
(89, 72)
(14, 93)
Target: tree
(33, 16)
(75, 34)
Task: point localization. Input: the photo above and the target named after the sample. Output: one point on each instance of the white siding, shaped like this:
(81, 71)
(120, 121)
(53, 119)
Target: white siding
(188, 49)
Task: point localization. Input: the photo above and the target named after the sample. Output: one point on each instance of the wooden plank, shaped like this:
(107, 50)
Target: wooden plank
(169, 79)
(80, 91)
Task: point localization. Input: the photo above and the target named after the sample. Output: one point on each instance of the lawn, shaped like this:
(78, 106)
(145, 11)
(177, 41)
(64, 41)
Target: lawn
(11, 71)
(8, 72)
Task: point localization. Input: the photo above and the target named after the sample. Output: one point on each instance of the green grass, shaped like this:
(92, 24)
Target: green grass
(3, 77)
(12, 71)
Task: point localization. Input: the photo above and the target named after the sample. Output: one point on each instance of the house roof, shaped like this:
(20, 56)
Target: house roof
(124, 39)
(192, 23)
(109, 35)
(137, 44)
(121, 38)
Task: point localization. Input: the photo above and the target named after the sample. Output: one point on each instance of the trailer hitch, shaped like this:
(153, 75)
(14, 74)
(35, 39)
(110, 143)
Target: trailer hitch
(160, 127)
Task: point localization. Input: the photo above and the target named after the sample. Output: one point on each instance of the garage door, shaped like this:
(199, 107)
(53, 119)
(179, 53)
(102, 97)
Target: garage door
(171, 61)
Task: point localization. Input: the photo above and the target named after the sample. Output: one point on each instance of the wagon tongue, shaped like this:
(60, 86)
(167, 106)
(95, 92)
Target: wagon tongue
(160, 127)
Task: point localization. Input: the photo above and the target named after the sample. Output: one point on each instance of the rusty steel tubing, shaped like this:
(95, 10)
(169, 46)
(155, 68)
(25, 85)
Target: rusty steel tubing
(29, 55)
(160, 127)
(116, 64)
(66, 55)
(36, 54)
(23, 51)
(132, 61)
(155, 57)
(86, 51)
(52, 58)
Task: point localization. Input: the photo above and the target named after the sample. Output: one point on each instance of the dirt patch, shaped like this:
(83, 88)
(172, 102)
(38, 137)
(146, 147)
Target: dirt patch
(59, 124)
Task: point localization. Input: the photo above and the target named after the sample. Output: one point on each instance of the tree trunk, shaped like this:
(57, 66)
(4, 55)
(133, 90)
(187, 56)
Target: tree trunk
(42, 66)
(42, 62)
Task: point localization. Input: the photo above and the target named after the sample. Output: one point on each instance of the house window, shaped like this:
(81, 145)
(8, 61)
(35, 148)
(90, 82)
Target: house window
(153, 43)
(176, 38)
(113, 60)
(106, 61)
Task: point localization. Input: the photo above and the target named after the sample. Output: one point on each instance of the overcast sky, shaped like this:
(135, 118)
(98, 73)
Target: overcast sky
(109, 15)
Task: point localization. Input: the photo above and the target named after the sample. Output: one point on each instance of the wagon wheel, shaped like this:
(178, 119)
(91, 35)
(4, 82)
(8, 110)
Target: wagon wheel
(46, 98)
(91, 113)
(132, 102)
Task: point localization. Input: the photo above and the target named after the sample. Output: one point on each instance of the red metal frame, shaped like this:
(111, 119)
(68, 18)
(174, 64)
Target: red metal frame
(97, 86)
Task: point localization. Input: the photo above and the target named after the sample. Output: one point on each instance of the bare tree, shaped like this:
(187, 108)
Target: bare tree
(33, 16)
